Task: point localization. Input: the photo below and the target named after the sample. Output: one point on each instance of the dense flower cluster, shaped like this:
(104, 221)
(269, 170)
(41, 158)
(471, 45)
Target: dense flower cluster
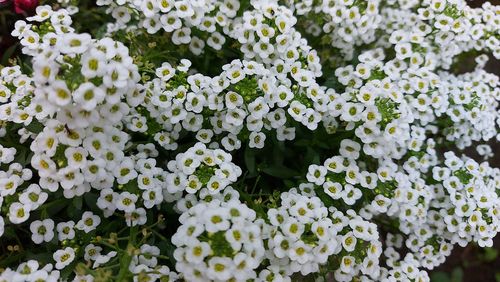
(181, 19)
(218, 241)
(200, 167)
(342, 24)
(304, 234)
(439, 30)
(247, 140)
(244, 100)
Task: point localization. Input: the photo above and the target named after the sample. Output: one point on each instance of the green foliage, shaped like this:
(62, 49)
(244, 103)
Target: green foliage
(455, 276)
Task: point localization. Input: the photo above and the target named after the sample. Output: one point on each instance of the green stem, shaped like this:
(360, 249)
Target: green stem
(127, 256)
(109, 245)
(255, 185)
(159, 235)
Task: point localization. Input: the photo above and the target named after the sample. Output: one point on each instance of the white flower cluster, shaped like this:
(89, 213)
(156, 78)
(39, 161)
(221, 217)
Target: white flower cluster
(76, 91)
(458, 204)
(402, 269)
(399, 101)
(343, 24)
(267, 35)
(466, 206)
(304, 234)
(45, 231)
(246, 99)
(436, 31)
(11, 181)
(13, 101)
(199, 168)
(472, 113)
(145, 265)
(80, 91)
(105, 143)
(188, 201)
(219, 241)
(184, 20)
(265, 32)
(31, 271)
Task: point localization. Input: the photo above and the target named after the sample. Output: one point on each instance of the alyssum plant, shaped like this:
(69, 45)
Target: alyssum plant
(205, 140)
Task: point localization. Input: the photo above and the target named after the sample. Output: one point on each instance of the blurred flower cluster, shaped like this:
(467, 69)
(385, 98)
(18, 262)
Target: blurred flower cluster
(21, 6)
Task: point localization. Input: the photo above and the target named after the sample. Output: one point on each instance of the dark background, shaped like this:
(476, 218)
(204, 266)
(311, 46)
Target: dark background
(469, 264)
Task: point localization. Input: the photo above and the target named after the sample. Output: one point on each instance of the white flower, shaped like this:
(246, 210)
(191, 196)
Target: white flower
(170, 21)
(30, 39)
(349, 242)
(74, 43)
(88, 96)
(89, 222)
(220, 268)
(165, 72)
(103, 259)
(20, 27)
(125, 171)
(2, 226)
(216, 220)
(136, 217)
(316, 174)
(42, 230)
(91, 252)
(9, 185)
(65, 230)
(300, 252)
(181, 36)
(347, 263)
(148, 255)
(59, 93)
(256, 140)
(333, 189)
(126, 202)
(93, 63)
(152, 197)
(64, 257)
(216, 40)
(18, 213)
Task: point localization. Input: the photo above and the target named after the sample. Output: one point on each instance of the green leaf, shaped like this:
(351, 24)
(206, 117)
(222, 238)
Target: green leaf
(325, 198)
(440, 277)
(77, 203)
(8, 53)
(457, 275)
(249, 156)
(302, 143)
(35, 127)
(311, 157)
(91, 201)
(280, 171)
(125, 256)
(167, 249)
(68, 270)
(278, 153)
(490, 254)
(289, 184)
(332, 82)
(21, 155)
(7, 261)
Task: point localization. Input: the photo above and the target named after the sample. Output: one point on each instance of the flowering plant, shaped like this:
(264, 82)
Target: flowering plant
(246, 140)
